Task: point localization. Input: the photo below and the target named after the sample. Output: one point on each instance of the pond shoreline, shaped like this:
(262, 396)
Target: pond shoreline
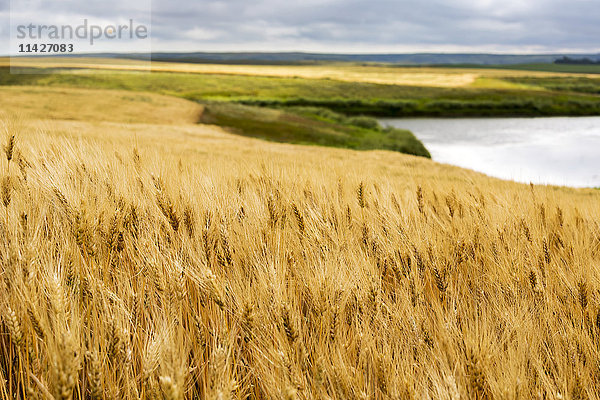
(562, 151)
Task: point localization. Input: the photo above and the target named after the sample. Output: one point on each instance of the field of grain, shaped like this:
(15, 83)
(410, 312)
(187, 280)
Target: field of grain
(343, 72)
(151, 257)
(33, 102)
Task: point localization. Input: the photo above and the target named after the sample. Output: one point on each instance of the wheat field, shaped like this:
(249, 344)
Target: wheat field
(167, 259)
(378, 74)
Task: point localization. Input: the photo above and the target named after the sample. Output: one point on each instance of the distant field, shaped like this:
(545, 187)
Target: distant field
(389, 75)
(552, 68)
(345, 89)
(570, 84)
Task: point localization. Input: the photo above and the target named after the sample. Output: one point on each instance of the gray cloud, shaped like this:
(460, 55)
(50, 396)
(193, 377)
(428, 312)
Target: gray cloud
(359, 25)
(363, 26)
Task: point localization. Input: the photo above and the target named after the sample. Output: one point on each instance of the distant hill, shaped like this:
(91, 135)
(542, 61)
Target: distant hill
(315, 58)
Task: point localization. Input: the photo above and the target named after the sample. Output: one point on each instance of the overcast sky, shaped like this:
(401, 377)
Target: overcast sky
(515, 26)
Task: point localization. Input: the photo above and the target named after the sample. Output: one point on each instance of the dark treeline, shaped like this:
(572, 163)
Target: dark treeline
(582, 61)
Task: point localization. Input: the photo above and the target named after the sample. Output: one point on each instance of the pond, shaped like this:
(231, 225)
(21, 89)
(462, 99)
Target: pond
(559, 150)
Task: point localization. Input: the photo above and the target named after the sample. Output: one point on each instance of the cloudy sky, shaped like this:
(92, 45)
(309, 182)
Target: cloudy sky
(514, 26)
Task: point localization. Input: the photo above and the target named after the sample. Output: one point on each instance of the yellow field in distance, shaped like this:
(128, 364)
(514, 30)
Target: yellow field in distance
(411, 76)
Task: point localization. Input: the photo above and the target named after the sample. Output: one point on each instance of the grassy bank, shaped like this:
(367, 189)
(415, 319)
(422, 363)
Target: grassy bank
(312, 126)
(489, 105)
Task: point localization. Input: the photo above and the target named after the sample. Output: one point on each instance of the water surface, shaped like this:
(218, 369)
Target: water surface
(560, 151)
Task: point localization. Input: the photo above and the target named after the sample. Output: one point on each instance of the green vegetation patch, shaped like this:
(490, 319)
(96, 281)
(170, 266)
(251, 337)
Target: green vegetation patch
(311, 126)
(542, 67)
(490, 106)
(573, 84)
